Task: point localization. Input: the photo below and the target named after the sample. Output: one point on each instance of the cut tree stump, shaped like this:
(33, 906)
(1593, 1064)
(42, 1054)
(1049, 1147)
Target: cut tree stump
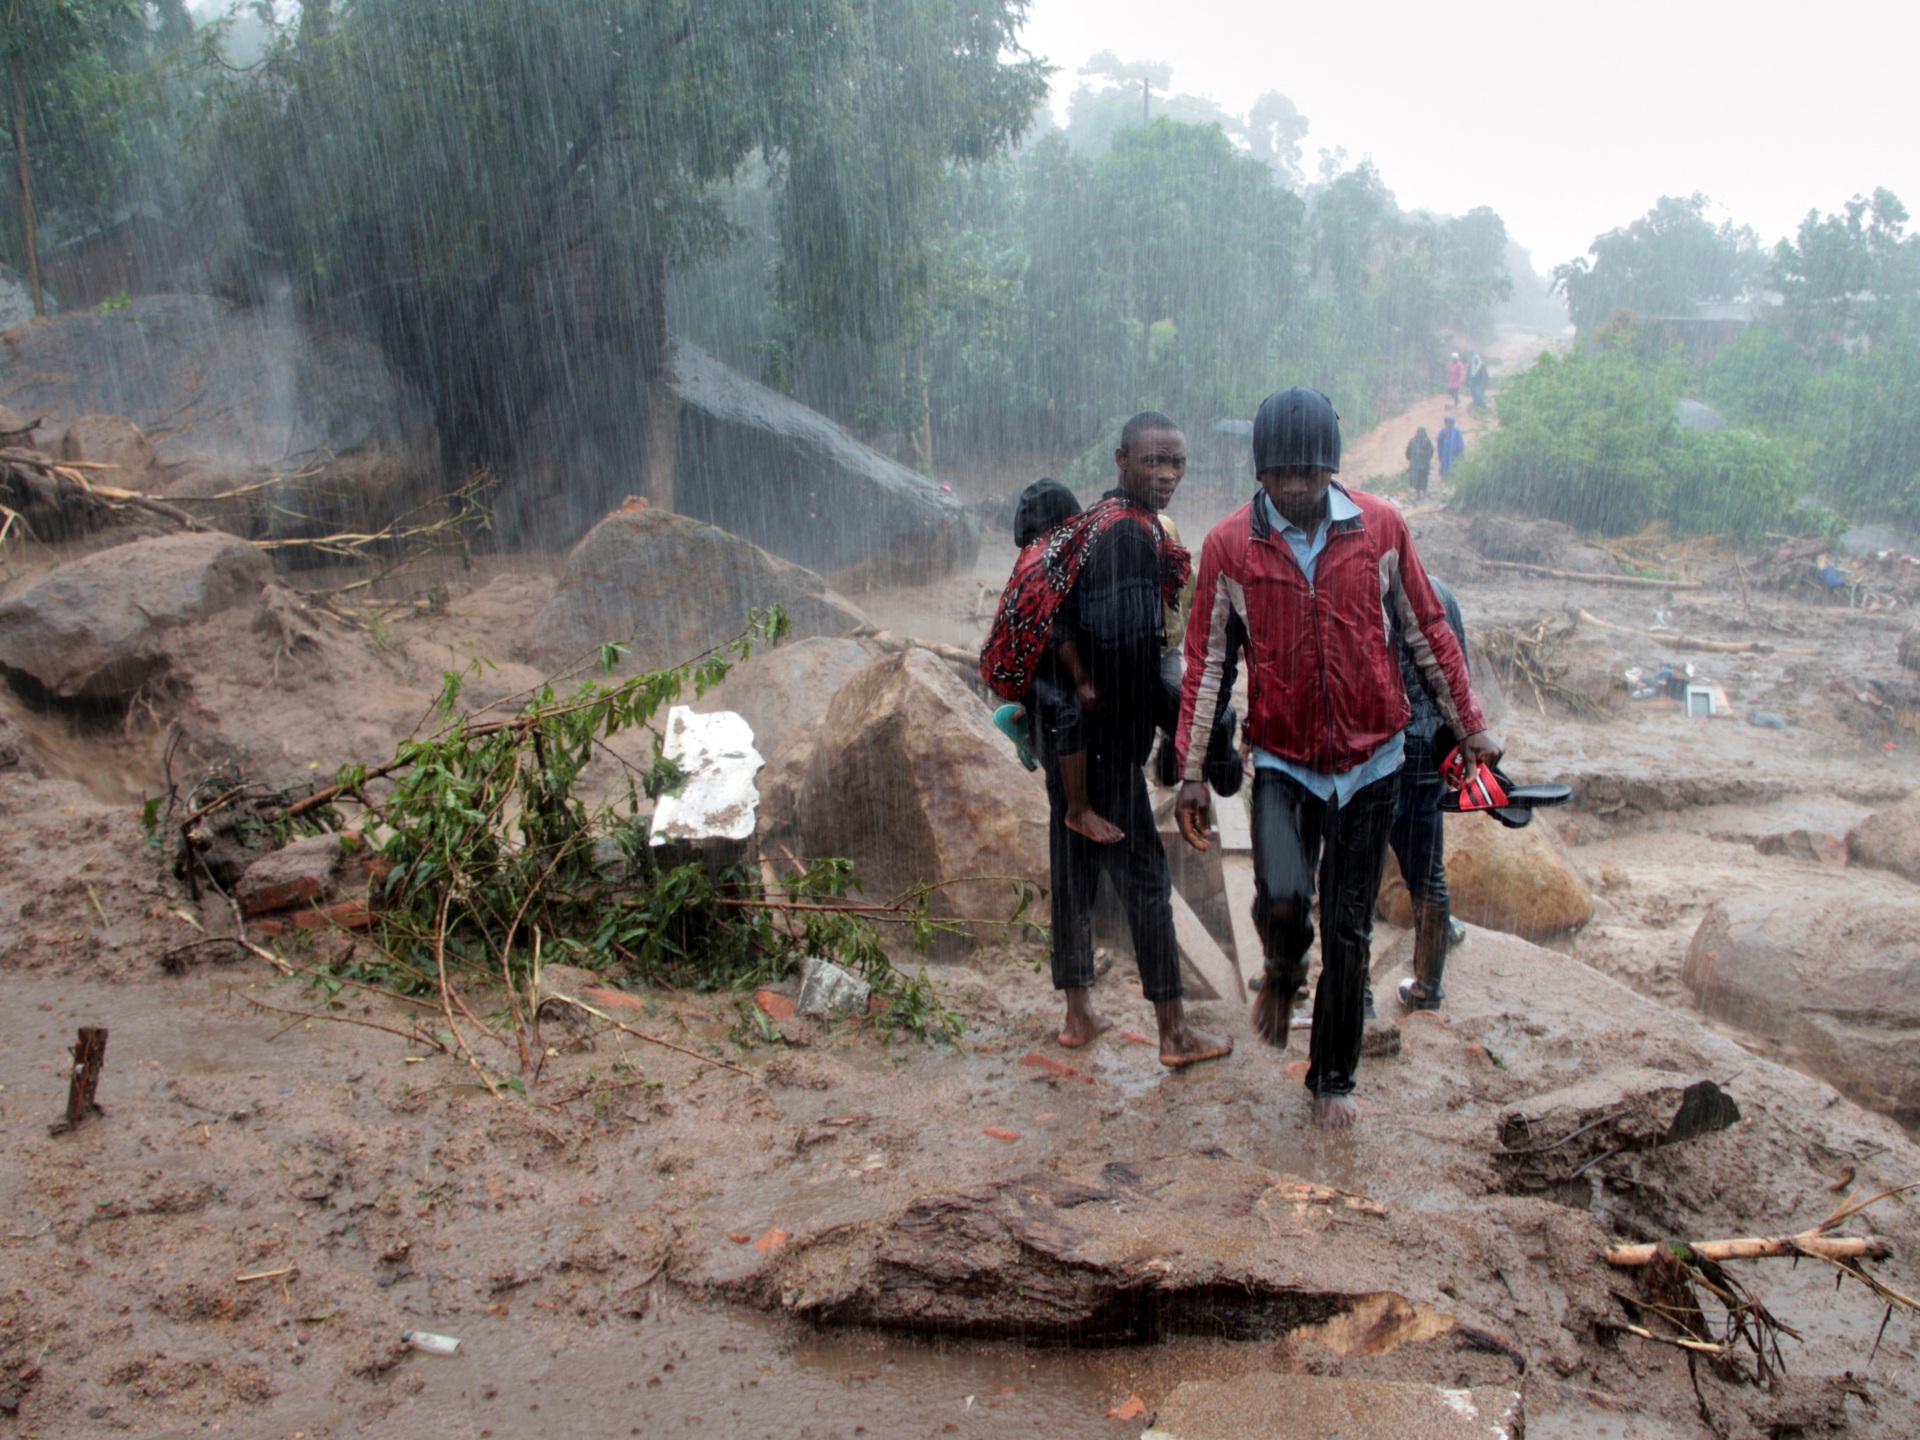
(89, 1058)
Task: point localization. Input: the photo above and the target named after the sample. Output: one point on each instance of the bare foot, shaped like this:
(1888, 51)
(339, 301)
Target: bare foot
(1273, 1014)
(1335, 1112)
(1180, 1044)
(1083, 1026)
(1095, 827)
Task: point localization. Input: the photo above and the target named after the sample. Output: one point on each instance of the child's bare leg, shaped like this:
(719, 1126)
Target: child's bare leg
(1080, 816)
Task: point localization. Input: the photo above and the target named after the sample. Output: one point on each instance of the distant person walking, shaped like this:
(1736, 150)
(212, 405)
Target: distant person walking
(1452, 446)
(1419, 460)
(1456, 377)
(1477, 381)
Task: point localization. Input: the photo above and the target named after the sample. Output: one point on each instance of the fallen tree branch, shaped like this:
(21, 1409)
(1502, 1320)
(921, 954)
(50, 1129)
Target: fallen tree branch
(1630, 582)
(1679, 642)
(650, 1039)
(1757, 1247)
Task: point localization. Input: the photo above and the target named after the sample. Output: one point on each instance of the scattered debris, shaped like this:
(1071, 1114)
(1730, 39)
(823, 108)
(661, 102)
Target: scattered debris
(431, 1344)
(716, 798)
(827, 989)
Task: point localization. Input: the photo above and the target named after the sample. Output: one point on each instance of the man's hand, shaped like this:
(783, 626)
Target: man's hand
(1191, 812)
(1483, 747)
(1090, 698)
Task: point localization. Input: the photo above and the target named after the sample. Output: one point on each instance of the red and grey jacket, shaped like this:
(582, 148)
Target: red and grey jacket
(1323, 685)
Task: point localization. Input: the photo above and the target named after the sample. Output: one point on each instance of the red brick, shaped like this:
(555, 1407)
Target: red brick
(776, 1005)
(1034, 1060)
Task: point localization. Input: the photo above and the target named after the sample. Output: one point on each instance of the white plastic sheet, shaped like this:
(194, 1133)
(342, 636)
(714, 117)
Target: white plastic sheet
(720, 798)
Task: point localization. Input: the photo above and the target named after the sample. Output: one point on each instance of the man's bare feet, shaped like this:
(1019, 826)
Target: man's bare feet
(1273, 1013)
(1335, 1112)
(1083, 1026)
(1180, 1044)
(1094, 826)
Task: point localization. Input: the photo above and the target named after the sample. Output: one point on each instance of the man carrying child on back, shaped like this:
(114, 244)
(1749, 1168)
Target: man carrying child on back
(1090, 670)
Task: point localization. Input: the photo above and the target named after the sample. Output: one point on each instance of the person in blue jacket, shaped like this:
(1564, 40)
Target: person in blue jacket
(1450, 447)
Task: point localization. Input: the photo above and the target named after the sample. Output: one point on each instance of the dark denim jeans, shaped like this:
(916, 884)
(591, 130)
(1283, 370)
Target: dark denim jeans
(1297, 838)
(1137, 866)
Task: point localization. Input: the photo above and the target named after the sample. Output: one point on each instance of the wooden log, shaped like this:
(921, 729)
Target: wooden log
(89, 1058)
(1756, 1247)
(1630, 582)
(1680, 642)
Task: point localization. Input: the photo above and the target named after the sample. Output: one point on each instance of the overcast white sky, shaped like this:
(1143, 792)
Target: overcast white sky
(1568, 120)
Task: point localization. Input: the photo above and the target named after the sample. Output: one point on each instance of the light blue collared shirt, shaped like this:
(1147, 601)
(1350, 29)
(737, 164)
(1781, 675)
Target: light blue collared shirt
(1388, 759)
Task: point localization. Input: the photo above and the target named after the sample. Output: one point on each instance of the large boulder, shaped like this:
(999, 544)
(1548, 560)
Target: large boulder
(1834, 982)
(1519, 881)
(746, 458)
(1889, 840)
(235, 391)
(909, 779)
(671, 588)
(95, 628)
(782, 691)
(109, 440)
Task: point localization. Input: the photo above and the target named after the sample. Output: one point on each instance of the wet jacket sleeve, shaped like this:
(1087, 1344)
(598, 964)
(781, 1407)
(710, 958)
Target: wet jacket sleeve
(1216, 631)
(1430, 640)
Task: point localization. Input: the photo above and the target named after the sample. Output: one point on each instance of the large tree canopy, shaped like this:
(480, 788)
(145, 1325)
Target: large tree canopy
(1663, 264)
(491, 187)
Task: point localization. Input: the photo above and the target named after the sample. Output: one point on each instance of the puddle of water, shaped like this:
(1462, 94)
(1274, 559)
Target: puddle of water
(698, 1370)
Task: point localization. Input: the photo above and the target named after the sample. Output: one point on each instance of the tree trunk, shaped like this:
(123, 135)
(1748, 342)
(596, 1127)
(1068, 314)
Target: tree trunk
(28, 230)
(924, 441)
(660, 456)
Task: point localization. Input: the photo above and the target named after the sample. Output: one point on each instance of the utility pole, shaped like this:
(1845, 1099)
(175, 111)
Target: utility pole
(1146, 99)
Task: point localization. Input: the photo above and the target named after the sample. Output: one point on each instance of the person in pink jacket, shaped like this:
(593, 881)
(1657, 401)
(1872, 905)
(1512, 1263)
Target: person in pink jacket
(1456, 377)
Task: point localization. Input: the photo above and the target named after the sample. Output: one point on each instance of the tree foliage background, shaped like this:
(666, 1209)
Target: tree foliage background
(860, 201)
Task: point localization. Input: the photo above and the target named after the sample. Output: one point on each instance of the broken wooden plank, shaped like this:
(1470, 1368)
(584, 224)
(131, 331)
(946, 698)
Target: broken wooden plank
(1230, 817)
(1202, 957)
(1236, 873)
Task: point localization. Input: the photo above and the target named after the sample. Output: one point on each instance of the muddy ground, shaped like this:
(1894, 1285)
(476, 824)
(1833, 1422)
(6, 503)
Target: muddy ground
(833, 1244)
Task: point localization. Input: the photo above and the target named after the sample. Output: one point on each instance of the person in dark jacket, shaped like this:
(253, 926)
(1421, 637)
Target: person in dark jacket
(1419, 460)
(1451, 447)
(1116, 617)
(1418, 838)
(1306, 580)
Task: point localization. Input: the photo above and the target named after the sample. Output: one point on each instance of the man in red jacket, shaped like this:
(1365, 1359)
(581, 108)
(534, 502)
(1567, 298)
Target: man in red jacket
(1308, 580)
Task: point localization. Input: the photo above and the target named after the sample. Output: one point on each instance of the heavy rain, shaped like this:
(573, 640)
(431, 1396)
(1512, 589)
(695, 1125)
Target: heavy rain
(920, 718)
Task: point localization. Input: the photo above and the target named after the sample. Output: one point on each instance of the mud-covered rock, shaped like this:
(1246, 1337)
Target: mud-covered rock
(1889, 840)
(1552, 1137)
(782, 691)
(910, 780)
(1835, 983)
(110, 440)
(299, 873)
(1814, 845)
(747, 458)
(225, 389)
(1519, 881)
(670, 588)
(95, 628)
(1521, 541)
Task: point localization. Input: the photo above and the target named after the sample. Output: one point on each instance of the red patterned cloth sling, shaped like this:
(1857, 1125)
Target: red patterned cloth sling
(1045, 574)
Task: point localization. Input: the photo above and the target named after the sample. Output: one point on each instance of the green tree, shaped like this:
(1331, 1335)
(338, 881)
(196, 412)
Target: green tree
(47, 46)
(495, 190)
(1661, 265)
(1854, 273)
